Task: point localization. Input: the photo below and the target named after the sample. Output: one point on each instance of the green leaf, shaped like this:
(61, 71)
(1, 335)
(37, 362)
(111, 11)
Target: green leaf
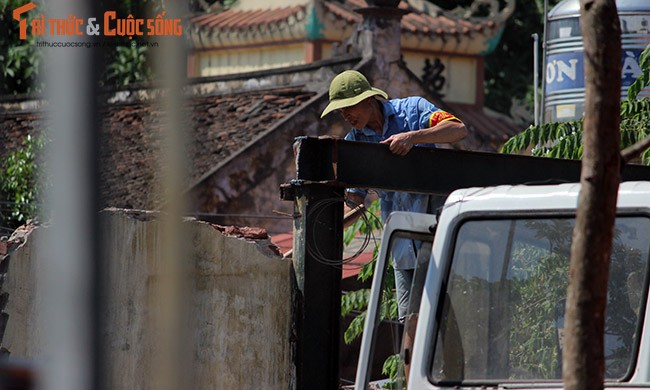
(18, 181)
(355, 329)
(354, 300)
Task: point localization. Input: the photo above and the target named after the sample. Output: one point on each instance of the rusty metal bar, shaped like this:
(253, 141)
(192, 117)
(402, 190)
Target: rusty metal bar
(437, 171)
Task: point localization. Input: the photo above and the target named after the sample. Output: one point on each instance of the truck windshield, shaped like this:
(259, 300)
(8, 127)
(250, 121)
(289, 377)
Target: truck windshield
(502, 314)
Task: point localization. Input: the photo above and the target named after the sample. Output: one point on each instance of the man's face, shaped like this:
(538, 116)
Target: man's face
(358, 115)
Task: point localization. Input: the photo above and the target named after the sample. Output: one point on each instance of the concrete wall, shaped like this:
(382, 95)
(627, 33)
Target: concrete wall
(239, 305)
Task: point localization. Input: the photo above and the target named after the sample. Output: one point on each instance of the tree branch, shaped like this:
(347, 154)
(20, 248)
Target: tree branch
(635, 150)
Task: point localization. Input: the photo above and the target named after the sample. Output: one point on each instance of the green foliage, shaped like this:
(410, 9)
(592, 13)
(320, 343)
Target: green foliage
(364, 225)
(358, 300)
(354, 300)
(129, 66)
(368, 269)
(564, 139)
(560, 140)
(355, 329)
(129, 63)
(644, 79)
(392, 368)
(19, 184)
(20, 61)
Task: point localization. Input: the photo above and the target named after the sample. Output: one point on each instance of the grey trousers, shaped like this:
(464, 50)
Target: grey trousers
(403, 281)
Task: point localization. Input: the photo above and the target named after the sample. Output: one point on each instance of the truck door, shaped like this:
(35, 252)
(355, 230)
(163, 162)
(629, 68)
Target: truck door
(494, 314)
(401, 227)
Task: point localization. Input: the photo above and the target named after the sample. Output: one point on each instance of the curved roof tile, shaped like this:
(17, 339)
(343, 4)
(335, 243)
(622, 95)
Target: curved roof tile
(234, 20)
(415, 22)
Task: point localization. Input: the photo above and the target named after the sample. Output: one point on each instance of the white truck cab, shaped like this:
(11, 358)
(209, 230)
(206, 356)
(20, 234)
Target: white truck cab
(494, 286)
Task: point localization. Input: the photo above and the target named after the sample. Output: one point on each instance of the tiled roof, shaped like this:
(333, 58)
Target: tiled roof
(224, 124)
(233, 20)
(284, 241)
(238, 27)
(416, 22)
(219, 127)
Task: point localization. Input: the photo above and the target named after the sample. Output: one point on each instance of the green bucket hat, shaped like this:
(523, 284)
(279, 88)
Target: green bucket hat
(349, 88)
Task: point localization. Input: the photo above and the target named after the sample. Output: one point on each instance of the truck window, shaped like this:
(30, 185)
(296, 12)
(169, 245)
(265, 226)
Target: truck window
(502, 308)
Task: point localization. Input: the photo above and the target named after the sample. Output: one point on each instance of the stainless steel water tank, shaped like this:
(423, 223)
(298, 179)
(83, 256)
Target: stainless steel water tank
(564, 85)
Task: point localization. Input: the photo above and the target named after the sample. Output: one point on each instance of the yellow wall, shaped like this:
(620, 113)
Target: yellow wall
(459, 72)
(215, 63)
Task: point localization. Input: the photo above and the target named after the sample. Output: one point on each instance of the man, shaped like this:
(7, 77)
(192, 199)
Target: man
(400, 124)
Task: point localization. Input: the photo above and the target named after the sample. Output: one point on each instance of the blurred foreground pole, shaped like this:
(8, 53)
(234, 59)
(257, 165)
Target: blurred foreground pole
(67, 276)
(172, 358)
(583, 361)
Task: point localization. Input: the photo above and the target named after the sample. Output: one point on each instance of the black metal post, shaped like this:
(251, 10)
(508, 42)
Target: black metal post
(317, 250)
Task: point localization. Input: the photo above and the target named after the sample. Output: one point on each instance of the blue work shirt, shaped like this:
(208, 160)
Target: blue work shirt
(400, 116)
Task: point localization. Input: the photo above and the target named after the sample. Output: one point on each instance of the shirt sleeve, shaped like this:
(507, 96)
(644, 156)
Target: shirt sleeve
(430, 115)
(441, 116)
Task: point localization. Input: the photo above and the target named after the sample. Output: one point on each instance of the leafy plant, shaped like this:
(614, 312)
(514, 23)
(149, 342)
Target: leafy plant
(358, 300)
(393, 365)
(19, 183)
(130, 66)
(129, 63)
(20, 61)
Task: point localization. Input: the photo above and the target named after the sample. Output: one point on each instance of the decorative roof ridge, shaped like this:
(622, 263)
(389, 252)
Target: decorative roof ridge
(425, 21)
(244, 27)
(230, 18)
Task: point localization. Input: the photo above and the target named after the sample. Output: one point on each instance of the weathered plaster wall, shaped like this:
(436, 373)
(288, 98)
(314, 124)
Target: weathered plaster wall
(20, 294)
(240, 305)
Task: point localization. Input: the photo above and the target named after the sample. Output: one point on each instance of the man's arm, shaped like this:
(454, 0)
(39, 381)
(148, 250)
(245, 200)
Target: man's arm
(444, 132)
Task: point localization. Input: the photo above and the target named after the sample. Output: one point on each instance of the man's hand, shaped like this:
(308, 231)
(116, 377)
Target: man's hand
(400, 143)
(444, 132)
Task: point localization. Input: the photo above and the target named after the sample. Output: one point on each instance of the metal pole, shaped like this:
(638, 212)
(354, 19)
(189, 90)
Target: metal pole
(544, 40)
(67, 275)
(536, 77)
